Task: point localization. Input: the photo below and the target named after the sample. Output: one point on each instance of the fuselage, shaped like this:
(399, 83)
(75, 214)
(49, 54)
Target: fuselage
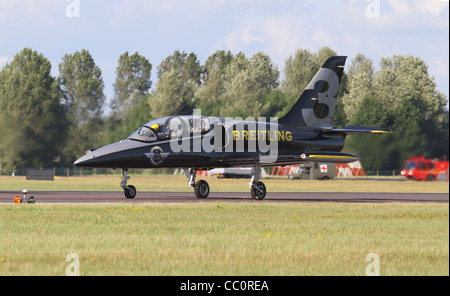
(212, 143)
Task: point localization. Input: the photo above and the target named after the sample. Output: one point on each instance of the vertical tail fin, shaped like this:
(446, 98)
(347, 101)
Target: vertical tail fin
(315, 107)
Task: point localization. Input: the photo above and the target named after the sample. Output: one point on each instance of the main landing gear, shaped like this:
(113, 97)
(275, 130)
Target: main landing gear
(201, 188)
(258, 190)
(129, 190)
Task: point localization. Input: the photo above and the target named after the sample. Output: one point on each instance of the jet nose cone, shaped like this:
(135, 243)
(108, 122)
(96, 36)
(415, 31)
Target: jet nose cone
(82, 160)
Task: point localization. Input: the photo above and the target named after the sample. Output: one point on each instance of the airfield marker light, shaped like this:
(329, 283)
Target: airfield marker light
(24, 192)
(17, 200)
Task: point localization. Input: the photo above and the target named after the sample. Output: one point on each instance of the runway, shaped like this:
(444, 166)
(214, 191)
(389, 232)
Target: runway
(72, 197)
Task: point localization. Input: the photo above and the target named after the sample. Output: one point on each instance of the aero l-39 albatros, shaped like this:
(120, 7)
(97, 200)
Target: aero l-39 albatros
(196, 142)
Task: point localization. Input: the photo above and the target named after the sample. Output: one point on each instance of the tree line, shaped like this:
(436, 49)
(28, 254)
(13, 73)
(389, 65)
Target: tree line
(48, 121)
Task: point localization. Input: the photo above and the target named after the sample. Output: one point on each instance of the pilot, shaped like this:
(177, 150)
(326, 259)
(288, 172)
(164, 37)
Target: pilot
(155, 127)
(158, 130)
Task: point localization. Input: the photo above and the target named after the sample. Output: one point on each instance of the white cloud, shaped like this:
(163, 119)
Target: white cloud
(400, 6)
(409, 15)
(277, 36)
(415, 27)
(433, 7)
(279, 28)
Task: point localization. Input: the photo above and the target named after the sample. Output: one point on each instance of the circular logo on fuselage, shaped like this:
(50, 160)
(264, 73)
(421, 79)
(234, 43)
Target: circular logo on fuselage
(157, 155)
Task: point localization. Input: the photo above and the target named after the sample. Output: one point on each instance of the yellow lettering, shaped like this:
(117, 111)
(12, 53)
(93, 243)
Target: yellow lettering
(281, 136)
(252, 135)
(289, 136)
(236, 135)
(245, 135)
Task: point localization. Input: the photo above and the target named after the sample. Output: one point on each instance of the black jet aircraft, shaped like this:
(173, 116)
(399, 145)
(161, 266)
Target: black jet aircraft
(196, 142)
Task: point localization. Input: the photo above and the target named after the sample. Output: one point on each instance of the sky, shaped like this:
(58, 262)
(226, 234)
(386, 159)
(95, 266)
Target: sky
(156, 28)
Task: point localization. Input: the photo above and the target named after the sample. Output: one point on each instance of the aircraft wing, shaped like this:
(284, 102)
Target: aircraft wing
(354, 129)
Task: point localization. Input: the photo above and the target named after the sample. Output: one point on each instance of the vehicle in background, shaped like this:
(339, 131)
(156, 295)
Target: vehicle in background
(232, 173)
(314, 171)
(418, 168)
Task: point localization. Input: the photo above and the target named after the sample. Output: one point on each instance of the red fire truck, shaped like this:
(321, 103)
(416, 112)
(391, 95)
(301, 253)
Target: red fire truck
(421, 169)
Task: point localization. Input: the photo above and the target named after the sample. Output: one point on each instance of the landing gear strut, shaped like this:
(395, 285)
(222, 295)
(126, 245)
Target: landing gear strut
(201, 188)
(257, 188)
(129, 190)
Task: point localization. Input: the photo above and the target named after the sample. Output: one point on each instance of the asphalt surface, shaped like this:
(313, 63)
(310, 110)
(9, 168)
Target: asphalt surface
(67, 197)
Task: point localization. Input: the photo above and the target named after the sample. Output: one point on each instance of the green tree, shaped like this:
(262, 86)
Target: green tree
(265, 73)
(32, 120)
(136, 117)
(219, 60)
(276, 101)
(189, 73)
(360, 84)
(209, 96)
(186, 65)
(247, 85)
(322, 56)
(339, 118)
(241, 99)
(82, 85)
(169, 96)
(406, 79)
(410, 136)
(133, 83)
(403, 76)
(299, 70)
(376, 151)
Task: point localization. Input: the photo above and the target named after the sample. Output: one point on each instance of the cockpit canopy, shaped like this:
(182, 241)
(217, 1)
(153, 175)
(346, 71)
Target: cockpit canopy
(173, 126)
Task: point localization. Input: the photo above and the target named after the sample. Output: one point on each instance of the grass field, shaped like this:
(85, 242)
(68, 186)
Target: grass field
(225, 239)
(222, 238)
(178, 183)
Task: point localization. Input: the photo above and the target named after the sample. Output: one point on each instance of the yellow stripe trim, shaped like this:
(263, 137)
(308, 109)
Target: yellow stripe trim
(332, 156)
(380, 132)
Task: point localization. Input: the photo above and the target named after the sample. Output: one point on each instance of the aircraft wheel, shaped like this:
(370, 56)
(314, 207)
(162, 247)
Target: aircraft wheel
(130, 192)
(430, 178)
(201, 189)
(261, 193)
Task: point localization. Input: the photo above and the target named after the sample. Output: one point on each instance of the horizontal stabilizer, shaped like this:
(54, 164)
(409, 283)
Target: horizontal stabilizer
(352, 129)
(329, 156)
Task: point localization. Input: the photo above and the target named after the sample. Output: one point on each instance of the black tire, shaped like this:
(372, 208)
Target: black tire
(430, 178)
(130, 192)
(259, 194)
(201, 189)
